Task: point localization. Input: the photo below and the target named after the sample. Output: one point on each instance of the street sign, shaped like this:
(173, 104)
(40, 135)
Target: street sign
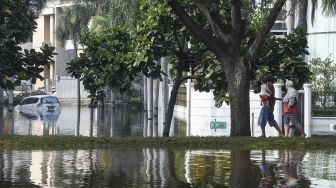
(217, 125)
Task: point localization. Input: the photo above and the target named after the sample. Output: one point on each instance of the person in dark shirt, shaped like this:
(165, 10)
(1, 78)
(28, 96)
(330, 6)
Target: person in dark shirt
(267, 110)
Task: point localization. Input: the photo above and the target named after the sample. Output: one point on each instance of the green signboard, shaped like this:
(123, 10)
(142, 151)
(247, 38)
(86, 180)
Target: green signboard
(217, 125)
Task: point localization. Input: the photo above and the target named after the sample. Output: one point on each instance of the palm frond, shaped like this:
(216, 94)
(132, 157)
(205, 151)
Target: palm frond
(74, 22)
(314, 7)
(329, 7)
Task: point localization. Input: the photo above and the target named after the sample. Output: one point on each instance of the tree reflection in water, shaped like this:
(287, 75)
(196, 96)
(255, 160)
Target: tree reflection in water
(244, 172)
(165, 167)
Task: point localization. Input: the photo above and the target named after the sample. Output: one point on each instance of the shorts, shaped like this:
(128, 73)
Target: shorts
(266, 115)
(291, 117)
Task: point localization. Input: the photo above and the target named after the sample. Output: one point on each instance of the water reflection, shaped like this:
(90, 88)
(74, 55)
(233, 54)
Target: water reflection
(123, 120)
(154, 167)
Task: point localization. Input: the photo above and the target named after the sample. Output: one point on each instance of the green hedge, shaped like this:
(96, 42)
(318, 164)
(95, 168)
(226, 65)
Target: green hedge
(324, 112)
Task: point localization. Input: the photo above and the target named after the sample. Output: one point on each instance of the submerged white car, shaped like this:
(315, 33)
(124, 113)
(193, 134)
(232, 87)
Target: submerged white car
(39, 103)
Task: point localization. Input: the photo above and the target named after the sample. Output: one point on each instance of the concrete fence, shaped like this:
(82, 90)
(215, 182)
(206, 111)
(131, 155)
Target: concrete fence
(202, 112)
(66, 90)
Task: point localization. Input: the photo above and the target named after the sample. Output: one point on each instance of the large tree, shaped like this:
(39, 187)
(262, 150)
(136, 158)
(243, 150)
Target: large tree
(109, 61)
(227, 23)
(99, 15)
(17, 23)
(162, 34)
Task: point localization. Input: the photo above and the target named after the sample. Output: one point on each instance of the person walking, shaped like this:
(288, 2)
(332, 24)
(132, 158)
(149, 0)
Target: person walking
(267, 110)
(291, 109)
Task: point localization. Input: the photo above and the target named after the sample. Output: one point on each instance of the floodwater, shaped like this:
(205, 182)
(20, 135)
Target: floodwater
(122, 121)
(147, 167)
(160, 167)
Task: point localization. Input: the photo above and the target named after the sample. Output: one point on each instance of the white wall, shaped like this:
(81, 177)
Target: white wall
(66, 88)
(203, 111)
(322, 35)
(322, 125)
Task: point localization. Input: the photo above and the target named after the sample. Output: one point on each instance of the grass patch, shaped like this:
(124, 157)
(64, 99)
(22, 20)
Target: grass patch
(72, 142)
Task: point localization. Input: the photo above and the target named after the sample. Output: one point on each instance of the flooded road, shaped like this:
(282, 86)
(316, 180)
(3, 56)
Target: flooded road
(69, 120)
(148, 167)
(122, 121)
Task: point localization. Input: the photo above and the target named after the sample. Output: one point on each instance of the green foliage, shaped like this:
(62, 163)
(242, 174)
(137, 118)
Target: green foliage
(99, 24)
(163, 34)
(323, 79)
(324, 112)
(280, 56)
(108, 61)
(104, 62)
(74, 23)
(112, 13)
(17, 23)
(150, 35)
(283, 58)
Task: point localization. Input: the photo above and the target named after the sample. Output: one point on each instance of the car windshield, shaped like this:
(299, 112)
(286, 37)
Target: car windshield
(30, 100)
(49, 100)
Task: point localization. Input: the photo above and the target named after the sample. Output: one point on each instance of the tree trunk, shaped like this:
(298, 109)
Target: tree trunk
(171, 106)
(113, 121)
(10, 116)
(1, 97)
(113, 99)
(165, 90)
(91, 120)
(227, 50)
(145, 93)
(1, 112)
(78, 120)
(239, 92)
(290, 20)
(10, 100)
(145, 126)
(150, 106)
(156, 91)
(78, 80)
(302, 13)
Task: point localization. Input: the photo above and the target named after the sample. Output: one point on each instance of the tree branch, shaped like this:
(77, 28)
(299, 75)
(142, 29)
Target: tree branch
(258, 42)
(195, 28)
(182, 79)
(177, 39)
(215, 26)
(236, 21)
(237, 26)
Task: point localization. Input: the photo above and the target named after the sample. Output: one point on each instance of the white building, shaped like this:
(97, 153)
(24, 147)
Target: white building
(321, 35)
(56, 77)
